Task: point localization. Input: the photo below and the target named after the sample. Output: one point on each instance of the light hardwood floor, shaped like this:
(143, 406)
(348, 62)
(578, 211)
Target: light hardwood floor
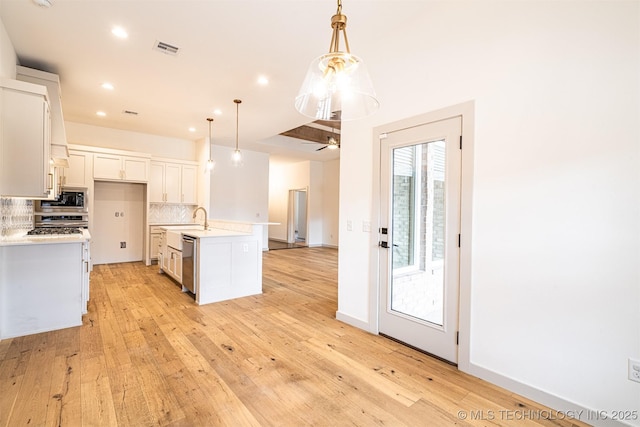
(147, 355)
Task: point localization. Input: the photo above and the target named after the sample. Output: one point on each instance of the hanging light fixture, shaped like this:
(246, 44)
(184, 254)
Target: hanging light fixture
(333, 142)
(210, 162)
(337, 85)
(237, 155)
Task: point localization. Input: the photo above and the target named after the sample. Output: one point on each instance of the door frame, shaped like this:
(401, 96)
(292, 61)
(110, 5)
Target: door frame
(466, 110)
(292, 213)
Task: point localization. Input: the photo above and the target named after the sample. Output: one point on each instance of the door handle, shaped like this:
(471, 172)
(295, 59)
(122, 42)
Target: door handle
(386, 245)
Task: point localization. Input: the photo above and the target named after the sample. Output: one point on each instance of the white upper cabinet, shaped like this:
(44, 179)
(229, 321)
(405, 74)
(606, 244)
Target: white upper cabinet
(171, 182)
(25, 141)
(189, 184)
(77, 174)
(59, 151)
(112, 167)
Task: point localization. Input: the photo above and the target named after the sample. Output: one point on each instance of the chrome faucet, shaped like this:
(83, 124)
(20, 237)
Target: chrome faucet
(206, 222)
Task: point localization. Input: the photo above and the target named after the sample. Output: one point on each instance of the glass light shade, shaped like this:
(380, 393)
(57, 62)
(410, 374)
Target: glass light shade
(337, 87)
(210, 164)
(236, 157)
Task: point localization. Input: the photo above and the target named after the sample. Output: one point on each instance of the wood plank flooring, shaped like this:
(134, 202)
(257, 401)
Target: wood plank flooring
(146, 355)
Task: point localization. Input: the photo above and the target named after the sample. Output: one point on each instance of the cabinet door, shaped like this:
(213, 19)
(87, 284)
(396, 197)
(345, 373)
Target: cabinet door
(135, 169)
(107, 166)
(172, 183)
(154, 246)
(156, 182)
(76, 174)
(178, 266)
(189, 184)
(86, 267)
(25, 145)
(166, 258)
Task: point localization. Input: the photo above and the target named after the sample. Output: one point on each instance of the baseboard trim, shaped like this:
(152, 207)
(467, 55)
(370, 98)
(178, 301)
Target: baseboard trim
(557, 403)
(360, 324)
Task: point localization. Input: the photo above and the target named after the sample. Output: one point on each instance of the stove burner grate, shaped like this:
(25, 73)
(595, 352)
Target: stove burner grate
(38, 231)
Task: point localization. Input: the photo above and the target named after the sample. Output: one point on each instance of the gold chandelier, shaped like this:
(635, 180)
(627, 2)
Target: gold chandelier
(337, 85)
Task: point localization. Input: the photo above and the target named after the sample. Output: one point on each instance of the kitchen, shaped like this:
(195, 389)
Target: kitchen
(553, 81)
(116, 193)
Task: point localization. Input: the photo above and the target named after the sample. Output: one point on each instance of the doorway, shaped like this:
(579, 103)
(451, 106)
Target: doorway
(297, 223)
(420, 198)
(118, 225)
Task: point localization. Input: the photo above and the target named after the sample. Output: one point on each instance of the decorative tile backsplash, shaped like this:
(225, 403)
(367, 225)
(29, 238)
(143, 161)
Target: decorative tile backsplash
(160, 213)
(16, 215)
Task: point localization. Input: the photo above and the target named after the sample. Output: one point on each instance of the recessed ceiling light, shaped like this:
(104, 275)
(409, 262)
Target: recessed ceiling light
(217, 112)
(192, 129)
(119, 32)
(101, 113)
(263, 81)
(107, 86)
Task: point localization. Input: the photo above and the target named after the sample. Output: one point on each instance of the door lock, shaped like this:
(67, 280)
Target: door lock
(384, 244)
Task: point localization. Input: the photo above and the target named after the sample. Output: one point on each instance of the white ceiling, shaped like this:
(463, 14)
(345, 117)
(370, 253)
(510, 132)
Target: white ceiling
(224, 47)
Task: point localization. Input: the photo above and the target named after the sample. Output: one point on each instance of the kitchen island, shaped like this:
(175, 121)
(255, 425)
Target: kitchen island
(44, 283)
(227, 261)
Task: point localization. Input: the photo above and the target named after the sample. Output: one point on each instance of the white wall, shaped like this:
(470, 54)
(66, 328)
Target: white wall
(555, 280)
(239, 193)
(8, 57)
(279, 186)
(159, 146)
(330, 202)
(294, 176)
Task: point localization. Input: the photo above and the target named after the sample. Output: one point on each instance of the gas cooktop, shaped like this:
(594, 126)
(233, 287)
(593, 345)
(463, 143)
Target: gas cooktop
(38, 231)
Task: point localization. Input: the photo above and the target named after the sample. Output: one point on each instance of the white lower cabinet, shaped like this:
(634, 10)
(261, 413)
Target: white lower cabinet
(174, 264)
(169, 258)
(42, 288)
(86, 272)
(155, 238)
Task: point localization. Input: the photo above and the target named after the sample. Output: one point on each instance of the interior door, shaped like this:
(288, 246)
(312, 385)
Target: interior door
(419, 239)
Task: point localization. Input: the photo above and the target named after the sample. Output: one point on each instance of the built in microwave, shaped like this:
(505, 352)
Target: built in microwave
(70, 200)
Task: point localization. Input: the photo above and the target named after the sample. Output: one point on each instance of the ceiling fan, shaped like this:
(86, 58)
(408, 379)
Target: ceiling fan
(318, 132)
(332, 143)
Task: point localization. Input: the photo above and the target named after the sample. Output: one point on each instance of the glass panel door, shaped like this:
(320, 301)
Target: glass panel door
(420, 214)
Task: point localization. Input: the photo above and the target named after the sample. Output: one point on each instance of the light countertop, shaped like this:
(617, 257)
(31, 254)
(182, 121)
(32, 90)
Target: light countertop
(213, 232)
(24, 239)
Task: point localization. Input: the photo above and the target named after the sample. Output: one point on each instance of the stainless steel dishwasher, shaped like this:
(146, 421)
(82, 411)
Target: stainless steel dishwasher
(189, 246)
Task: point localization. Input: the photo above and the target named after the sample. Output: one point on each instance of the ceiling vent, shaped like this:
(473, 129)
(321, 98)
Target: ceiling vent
(165, 48)
(131, 113)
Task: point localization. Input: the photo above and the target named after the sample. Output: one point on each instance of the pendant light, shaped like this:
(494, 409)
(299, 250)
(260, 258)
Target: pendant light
(236, 157)
(337, 85)
(210, 162)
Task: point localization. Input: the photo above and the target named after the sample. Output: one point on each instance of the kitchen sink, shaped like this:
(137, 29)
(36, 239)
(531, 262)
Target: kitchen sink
(174, 236)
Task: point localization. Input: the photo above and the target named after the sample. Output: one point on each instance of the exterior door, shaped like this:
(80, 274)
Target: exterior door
(419, 239)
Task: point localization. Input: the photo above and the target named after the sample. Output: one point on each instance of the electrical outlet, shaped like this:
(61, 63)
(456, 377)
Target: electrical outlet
(634, 370)
(245, 247)
(366, 226)
(349, 225)
(123, 245)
